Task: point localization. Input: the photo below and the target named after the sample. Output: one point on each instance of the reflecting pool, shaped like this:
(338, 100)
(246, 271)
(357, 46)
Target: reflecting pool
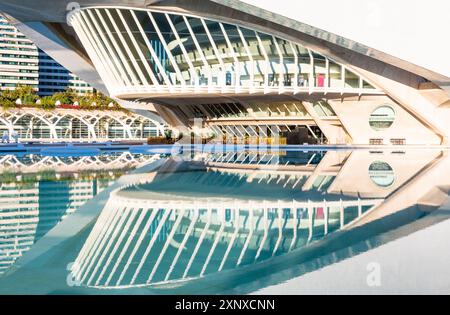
(204, 222)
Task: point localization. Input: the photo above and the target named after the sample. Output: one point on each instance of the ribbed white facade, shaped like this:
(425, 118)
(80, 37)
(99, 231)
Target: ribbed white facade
(33, 124)
(152, 52)
(138, 242)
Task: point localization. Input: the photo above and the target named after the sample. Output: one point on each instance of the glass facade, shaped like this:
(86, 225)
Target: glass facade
(149, 51)
(382, 174)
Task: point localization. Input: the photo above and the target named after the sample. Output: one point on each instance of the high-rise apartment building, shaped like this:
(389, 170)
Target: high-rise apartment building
(19, 58)
(55, 78)
(22, 63)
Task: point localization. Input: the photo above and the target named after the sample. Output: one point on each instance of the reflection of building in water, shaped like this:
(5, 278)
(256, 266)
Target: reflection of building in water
(207, 218)
(31, 204)
(223, 213)
(29, 211)
(32, 163)
(143, 242)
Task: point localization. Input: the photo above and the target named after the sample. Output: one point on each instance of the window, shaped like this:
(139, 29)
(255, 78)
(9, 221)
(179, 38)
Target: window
(382, 118)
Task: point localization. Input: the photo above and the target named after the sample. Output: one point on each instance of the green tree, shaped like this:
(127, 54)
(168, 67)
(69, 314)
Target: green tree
(26, 94)
(47, 102)
(67, 97)
(29, 97)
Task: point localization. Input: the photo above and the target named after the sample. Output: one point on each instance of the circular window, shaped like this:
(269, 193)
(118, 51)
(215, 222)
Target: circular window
(382, 118)
(381, 174)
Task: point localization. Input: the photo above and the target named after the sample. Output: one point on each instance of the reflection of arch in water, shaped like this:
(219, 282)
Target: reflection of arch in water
(147, 242)
(28, 210)
(33, 163)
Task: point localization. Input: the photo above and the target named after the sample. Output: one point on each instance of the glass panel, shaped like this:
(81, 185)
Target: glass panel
(142, 46)
(238, 52)
(382, 174)
(336, 75)
(304, 64)
(274, 59)
(155, 44)
(258, 65)
(170, 40)
(351, 80)
(63, 128)
(191, 49)
(367, 85)
(320, 71)
(289, 66)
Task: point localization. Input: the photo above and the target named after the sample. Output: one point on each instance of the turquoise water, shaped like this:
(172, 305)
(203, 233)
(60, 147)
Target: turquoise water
(209, 223)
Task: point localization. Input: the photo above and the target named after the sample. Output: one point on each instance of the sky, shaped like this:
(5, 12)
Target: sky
(413, 30)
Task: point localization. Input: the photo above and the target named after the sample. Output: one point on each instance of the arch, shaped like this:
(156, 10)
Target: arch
(108, 127)
(80, 130)
(31, 126)
(5, 125)
(63, 127)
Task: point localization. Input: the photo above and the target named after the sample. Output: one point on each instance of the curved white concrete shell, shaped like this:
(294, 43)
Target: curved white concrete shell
(146, 53)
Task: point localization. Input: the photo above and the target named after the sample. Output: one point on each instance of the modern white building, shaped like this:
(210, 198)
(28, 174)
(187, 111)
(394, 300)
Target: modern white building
(77, 125)
(242, 70)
